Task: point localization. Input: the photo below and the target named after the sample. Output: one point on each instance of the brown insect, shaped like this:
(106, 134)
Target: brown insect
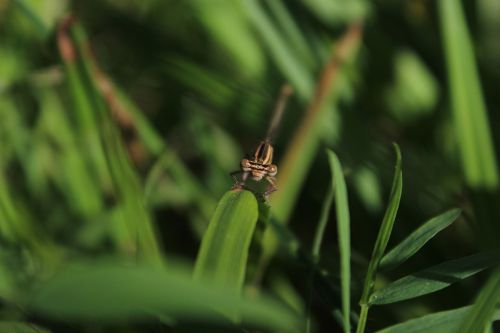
(260, 165)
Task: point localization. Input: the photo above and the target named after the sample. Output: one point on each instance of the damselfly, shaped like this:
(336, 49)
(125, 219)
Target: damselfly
(260, 164)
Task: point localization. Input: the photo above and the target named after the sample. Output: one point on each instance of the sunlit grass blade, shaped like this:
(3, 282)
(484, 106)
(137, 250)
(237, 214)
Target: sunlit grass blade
(344, 235)
(485, 308)
(109, 292)
(223, 253)
(448, 321)
(434, 278)
(472, 128)
(382, 240)
(42, 17)
(414, 242)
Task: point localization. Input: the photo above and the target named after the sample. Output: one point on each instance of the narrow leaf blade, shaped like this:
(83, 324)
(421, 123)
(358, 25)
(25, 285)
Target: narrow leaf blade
(344, 235)
(469, 111)
(224, 249)
(483, 311)
(439, 322)
(385, 228)
(414, 242)
(434, 278)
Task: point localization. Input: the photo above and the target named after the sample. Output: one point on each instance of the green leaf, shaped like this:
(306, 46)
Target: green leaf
(472, 128)
(344, 235)
(484, 310)
(382, 240)
(109, 292)
(224, 249)
(414, 242)
(385, 228)
(434, 278)
(439, 322)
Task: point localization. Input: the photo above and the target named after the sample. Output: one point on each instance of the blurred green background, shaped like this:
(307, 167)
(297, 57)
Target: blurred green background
(120, 124)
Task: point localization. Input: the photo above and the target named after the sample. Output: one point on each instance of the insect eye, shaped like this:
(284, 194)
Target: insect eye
(245, 164)
(273, 170)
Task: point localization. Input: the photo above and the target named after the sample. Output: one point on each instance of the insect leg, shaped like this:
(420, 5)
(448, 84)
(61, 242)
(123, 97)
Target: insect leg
(237, 182)
(271, 188)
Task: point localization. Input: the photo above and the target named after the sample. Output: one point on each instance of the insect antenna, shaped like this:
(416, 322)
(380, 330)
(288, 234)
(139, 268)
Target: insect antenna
(286, 92)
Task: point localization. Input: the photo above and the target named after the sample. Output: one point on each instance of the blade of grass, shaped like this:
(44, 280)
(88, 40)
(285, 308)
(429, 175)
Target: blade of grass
(482, 312)
(295, 37)
(440, 322)
(223, 253)
(382, 240)
(344, 235)
(414, 242)
(285, 58)
(134, 229)
(110, 292)
(470, 115)
(167, 158)
(434, 278)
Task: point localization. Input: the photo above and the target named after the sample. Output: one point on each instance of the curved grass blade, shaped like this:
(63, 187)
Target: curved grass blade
(109, 292)
(440, 322)
(485, 308)
(344, 235)
(414, 242)
(224, 249)
(434, 278)
(469, 111)
(382, 240)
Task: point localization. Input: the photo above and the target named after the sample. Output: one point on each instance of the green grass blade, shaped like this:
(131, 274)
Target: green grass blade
(285, 58)
(434, 278)
(109, 292)
(134, 225)
(440, 322)
(414, 242)
(483, 310)
(223, 254)
(472, 128)
(293, 34)
(344, 235)
(382, 240)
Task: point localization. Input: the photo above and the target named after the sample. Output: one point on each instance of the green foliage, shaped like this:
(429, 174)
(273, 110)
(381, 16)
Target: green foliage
(439, 322)
(433, 278)
(109, 292)
(223, 253)
(344, 235)
(382, 240)
(120, 121)
(469, 110)
(414, 242)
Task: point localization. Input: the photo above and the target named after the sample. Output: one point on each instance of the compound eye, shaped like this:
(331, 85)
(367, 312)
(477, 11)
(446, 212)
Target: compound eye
(245, 165)
(273, 170)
